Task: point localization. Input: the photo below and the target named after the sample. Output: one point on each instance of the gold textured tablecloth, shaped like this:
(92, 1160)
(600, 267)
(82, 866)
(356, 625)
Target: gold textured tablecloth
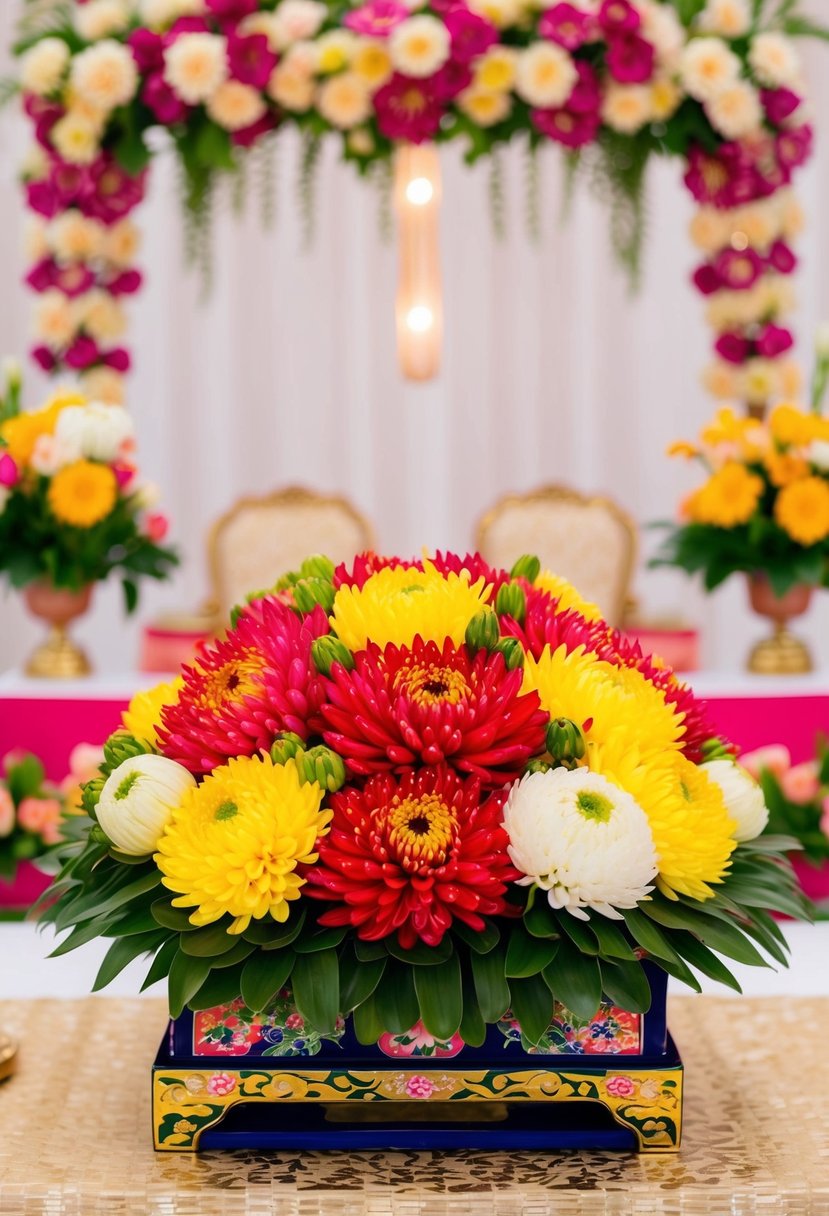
(75, 1133)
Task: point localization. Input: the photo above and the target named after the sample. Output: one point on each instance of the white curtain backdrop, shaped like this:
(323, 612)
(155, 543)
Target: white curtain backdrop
(286, 372)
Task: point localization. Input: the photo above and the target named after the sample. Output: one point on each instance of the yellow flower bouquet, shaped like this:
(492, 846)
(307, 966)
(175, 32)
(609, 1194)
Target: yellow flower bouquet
(764, 507)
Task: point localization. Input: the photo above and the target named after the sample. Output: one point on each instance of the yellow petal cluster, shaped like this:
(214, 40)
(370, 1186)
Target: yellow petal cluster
(566, 595)
(793, 427)
(397, 604)
(142, 716)
(802, 510)
(21, 433)
(729, 498)
(234, 844)
(83, 493)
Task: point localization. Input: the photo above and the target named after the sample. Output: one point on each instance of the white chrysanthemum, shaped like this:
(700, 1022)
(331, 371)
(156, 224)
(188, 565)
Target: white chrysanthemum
(296, 20)
(626, 107)
(545, 75)
(742, 795)
(139, 798)
(419, 46)
(344, 100)
(291, 86)
(332, 51)
(706, 66)
(96, 431)
(774, 60)
(195, 65)
(735, 111)
(235, 106)
(103, 316)
(103, 384)
(160, 13)
(105, 75)
(728, 18)
(43, 66)
(121, 243)
(76, 138)
(55, 319)
(580, 838)
(760, 381)
(99, 18)
(818, 454)
(74, 237)
(484, 106)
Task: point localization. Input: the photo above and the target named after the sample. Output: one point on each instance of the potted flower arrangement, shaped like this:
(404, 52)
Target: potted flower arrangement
(408, 814)
(71, 512)
(763, 511)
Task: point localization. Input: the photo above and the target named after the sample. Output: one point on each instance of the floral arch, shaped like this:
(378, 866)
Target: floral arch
(715, 83)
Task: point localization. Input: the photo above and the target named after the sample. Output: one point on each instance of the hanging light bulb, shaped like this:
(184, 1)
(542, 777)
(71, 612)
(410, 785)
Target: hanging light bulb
(419, 297)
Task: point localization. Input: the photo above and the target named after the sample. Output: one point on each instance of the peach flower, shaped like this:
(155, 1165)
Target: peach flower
(800, 784)
(775, 759)
(42, 817)
(6, 812)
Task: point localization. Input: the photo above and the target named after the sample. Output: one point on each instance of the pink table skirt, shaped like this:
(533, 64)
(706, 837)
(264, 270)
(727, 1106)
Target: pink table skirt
(28, 885)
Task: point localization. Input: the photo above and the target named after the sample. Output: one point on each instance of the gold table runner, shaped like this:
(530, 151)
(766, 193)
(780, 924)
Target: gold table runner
(75, 1133)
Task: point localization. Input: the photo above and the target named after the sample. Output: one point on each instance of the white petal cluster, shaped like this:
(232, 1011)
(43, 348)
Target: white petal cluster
(707, 66)
(96, 431)
(138, 799)
(99, 18)
(742, 795)
(728, 18)
(583, 840)
(43, 66)
(105, 75)
(774, 60)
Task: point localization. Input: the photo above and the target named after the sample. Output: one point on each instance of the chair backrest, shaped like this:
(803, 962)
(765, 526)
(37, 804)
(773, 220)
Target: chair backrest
(590, 541)
(260, 539)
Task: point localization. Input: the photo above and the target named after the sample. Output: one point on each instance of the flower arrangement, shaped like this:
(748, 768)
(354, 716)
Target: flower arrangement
(30, 813)
(764, 508)
(716, 82)
(797, 796)
(71, 507)
(421, 791)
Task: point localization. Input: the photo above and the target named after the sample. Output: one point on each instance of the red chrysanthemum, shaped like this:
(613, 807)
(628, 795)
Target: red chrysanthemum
(366, 564)
(409, 856)
(544, 625)
(244, 689)
(429, 704)
(476, 567)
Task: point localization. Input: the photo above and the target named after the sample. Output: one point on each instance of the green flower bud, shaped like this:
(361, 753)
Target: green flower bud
(716, 749)
(98, 835)
(565, 742)
(287, 580)
(513, 652)
(90, 793)
(511, 601)
(482, 631)
(120, 747)
(328, 650)
(322, 765)
(309, 592)
(286, 746)
(317, 566)
(537, 766)
(528, 567)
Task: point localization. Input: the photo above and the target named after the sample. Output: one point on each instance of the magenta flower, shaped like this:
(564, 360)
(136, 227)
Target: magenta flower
(377, 18)
(781, 258)
(165, 104)
(619, 17)
(794, 146)
(42, 198)
(232, 10)
(774, 341)
(739, 269)
(251, 59)
(147, 50)
(586, 96)
(82, 354)
(734, 348)
(115, 192)
(187, 25)
(44, 358)
(118, 359)
(124, 473)
(127, 283)
(471, 34)
(156, 527)
(221, 1083)
(450, 80)
(74, 280)
(630, 59)
(248, 136)
(408, 109)
(779, 104)
(566, 25)
(567, 127)
(620, 1087)
(9, 472)
(706, 280)
(725, 178)
(419, 1087)
(72, 183)
(42, 275)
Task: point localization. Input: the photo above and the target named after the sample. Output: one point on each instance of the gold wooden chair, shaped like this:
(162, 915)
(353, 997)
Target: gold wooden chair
(260, 539)
(590, 541)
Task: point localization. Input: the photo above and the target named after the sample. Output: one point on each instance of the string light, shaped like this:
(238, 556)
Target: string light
(419, 294)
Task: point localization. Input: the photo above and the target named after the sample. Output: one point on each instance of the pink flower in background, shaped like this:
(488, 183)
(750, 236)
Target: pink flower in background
(801, 784)
(470, 33)
(774, 341)
(75, 280)
(781, 258)
(621, 1087)
(739, 269)
(42, 275)
(118, 359)
(377, 19)
(6, 812)
(12, 759)
(824, 819)
(419, 1087)
(82, 354)
(779, 104)
(452, 79)
(734, 348)
(775, 759)
(619, 16)
(251, 59)
(84, 761)
(567, 127)
(156, 527)
(630, 59)
(164, 102)
(147, 50)
(124, 474)
(586, 95)
(706, 280)
(407, 109)
(44, 358)
(570, 27)
(9, 476)
(249, 135)
(127, 283)
(233, 10)
(221, 1084)
(186, 25)
(794, 146)
(40, 816)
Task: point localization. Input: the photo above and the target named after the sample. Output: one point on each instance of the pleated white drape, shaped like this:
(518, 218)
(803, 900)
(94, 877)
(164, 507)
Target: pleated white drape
(287, 371)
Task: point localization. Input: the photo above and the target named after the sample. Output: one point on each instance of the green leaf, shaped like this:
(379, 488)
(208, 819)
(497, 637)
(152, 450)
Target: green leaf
(219, 988)
(130, 590)
(263, 975)
(704, 960)
(169, 917)
(491, 985)
(91, 904)
(79, 936)
(240, 951)
(316, 986)
(358, 980)
(626, 985)
(421, 955)
(580, 933)
(122, 952)
(540, 921)
(612, 941)
(576, 981)
(213, 147)
(367, 952)
(648, 935)
(320, 939)
(273, 935)
(160, 967)
(482, 942)
(140, 920)
(186, 978)
(473, 1026)
(368, 1025)
(210, 941)
(395, 998)
(527, 955)
(532, 1005)
(440, 995)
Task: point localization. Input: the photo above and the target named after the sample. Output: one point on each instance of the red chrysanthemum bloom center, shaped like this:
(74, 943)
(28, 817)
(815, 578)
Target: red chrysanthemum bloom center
(431, 683)
(231, 682)
(417, 830)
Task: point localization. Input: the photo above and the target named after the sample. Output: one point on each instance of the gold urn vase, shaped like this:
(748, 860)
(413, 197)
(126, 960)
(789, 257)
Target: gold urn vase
(58, 657)
(782, 654)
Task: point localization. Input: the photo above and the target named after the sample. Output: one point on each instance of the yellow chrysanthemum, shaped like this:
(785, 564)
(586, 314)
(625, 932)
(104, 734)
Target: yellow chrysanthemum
(727, 427)
(397, 604)
(682, 448)
(605, 700)
(802, 510)
(728, 498)
(143, 714)
(566, 595)
(21, 433)
(83, 493)
(692, 830)
(233, 845)
(793, 427)
(784, 468)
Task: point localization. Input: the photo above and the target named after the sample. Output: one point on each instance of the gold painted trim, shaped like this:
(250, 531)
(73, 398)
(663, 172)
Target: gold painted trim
(289, 497)
(560, 493)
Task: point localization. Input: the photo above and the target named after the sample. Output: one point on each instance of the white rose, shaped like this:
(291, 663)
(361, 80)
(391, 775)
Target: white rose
(735, 111)
(419, 46)
(545, 75)
(706, 66)
(195, 65)
(742, 795)
(138, 800)
(296, 20)
(729, 18)
(774, 60)
(43, 66)
(99, 18)
(97, 430)
(344, 100)
(235, 106)
(105, 75)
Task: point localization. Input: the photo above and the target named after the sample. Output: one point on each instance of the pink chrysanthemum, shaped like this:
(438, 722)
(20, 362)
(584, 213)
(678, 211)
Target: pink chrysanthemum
(428, 704)
(409, 856)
